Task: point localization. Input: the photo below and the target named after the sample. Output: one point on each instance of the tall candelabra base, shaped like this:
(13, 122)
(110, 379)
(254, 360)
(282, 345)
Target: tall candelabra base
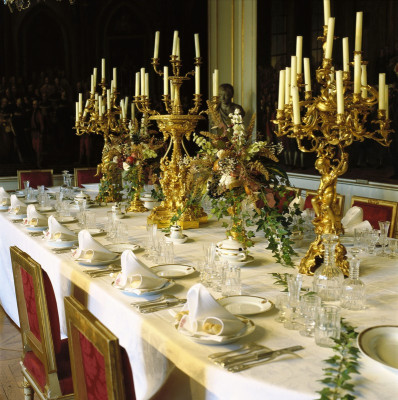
(190, 219)
(315, 257)
(136, 205)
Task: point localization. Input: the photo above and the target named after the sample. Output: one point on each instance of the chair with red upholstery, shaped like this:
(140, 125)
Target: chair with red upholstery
(310, 194)
(86, 175)
(377, 210)
(36, 177)
(100, 367)
(45, 360)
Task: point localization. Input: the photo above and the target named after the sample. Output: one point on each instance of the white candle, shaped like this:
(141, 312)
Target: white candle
(299, 54)
(100, 105)
(197, 79)
(197, 48)
(80, 103)
(178, 49)
(364, 81)
(165, 80)
(108, 99)
(92, 84)
(382, 87)
(287, 85)
(137, 83)
(326, 11)
(96, 102)
(95, 77)
(386, 101)
(171, 91)
(357, 73)
(85, 109)
(175, 38)
(126, 103)
(142, 81)
(346, 55)
(358, 31)
(103, 69)
(112, 86)
(132, 111)
(156, 49)
(293, 78)
(340, 93)
(123, 107)
(307, 75)
(281, 95)
(77, 111)
(296, 106)
(114, 78)
(147, 84)
(329, 39)
(215, 83)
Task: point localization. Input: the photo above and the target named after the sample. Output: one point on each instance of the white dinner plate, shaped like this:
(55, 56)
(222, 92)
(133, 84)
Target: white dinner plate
(120, 247)
(246, 305)
(240, 263)
(36, 228)
(347, 240)
(207, 339)
(17, 217)
(380, 343)
(97, 263)
(20, 194)
(166, 286)
(30, 201)
(44, 208)
(4, 208)
(175, 240)
(91, 186)
(66, 220)
(61, 244)
(174, 271)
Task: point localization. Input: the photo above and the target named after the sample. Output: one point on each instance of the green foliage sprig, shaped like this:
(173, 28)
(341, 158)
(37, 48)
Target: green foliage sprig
(342, 366)
(280, 279)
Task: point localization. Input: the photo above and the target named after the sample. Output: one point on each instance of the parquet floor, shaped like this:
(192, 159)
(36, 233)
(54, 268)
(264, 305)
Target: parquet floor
(10, 355)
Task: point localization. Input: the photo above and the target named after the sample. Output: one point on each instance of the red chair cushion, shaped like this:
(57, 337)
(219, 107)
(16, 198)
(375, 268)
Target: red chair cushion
(36, 178)
(375, 212)
(87, 176)
(285, 200)
(37, 371)
(30, 301)
(94, 370)
(307, 203)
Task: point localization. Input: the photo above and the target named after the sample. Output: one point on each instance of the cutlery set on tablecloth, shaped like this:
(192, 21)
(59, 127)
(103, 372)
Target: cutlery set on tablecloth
(162, 303)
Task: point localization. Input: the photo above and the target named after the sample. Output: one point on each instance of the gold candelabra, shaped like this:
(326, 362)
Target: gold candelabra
(175, 125)
(332, 120)
(102, 115)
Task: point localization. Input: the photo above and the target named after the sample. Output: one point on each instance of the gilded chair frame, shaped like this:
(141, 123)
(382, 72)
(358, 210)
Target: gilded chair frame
(392, 204)
(19, 172)
(340, 199)
(75, 171)
(79, 319)
(43, 350)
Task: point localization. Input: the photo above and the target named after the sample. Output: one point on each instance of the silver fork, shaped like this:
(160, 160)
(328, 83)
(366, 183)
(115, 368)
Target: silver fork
(243, 350)
(94, 273)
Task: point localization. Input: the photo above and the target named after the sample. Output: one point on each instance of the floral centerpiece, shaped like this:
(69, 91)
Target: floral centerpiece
(138, 161)
(246, 185)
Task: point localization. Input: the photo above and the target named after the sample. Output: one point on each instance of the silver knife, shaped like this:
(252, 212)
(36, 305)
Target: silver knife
(162, 306)
(260, 355)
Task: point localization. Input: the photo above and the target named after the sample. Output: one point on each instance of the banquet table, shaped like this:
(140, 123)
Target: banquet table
(155, 347)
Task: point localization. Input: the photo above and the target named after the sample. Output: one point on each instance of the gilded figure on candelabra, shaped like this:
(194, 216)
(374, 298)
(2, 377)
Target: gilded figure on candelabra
(332, 121)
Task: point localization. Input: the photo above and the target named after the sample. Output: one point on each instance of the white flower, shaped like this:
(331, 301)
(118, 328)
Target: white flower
(126, 166)
(115, 159)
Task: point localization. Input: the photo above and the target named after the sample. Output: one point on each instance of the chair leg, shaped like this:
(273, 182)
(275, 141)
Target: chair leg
(27, 390)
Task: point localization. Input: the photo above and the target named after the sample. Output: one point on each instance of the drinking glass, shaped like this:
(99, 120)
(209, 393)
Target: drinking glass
(65, 209)
(294, 283)
(231, 281)
(393, 247)
(26, 185)
(384, 226)
(371, 238)
(282, 304)
(90, 220)
(327, 325)
(58, 201)
(308, 306)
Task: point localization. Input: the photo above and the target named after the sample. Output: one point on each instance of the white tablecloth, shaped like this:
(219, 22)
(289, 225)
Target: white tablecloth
(153, 344)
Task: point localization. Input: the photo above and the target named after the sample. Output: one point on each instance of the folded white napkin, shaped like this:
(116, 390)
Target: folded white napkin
(57, 231)
(4, 197)
(34, 218)
(207, 317)
(353, 219)
(136, 276)
(17, 207)
(90, 250)
(299, 201)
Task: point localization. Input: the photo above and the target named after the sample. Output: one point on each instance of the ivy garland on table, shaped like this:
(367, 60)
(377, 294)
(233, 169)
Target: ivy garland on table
(342, 365)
